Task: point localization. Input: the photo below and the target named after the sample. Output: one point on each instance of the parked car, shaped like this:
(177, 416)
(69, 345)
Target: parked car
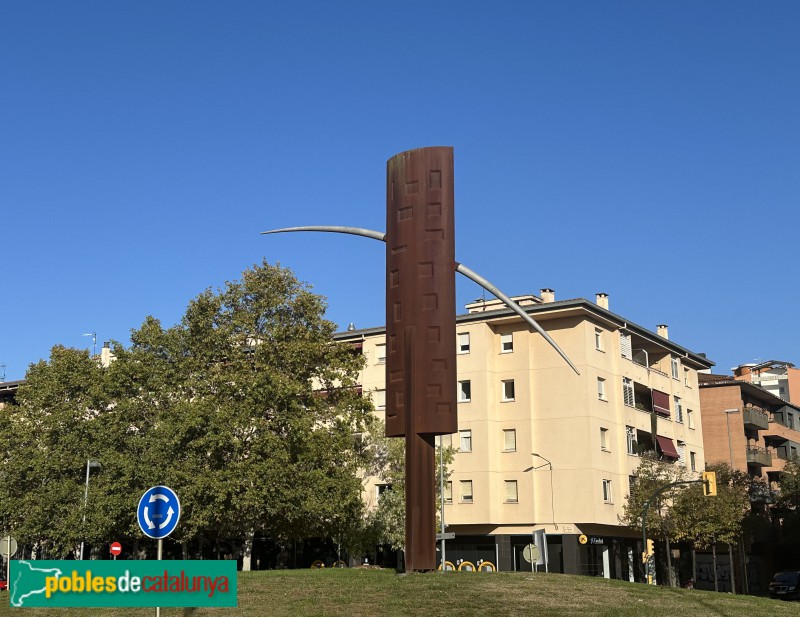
(3, 584)
(785, 585)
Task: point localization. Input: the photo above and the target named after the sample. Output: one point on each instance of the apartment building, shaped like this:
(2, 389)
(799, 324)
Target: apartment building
(541, 448)
(748, 426)
(8, 391)
(775, 376)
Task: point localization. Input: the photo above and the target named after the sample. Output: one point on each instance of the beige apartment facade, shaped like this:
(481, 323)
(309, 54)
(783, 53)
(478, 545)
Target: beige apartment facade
(541, 448)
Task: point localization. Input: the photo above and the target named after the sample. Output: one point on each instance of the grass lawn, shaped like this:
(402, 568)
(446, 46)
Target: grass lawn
(357, 592)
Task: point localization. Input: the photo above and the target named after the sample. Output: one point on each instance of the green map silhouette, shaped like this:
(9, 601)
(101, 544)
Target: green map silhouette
(28, 580)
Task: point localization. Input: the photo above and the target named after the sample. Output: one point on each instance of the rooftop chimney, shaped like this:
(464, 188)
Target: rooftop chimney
(663, 331)
(548, 295)
(602, 300)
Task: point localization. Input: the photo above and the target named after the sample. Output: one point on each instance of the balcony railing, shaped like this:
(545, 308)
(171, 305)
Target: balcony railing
(758, 456)
(755, 418)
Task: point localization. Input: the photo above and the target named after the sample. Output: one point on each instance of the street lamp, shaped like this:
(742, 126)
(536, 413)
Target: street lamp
(90, 464)
(547, 463)
(532, 468)
(728, 413)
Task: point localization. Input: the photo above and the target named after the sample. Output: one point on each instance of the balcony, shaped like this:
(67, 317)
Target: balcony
(787, 450)
(759, 456)
(755, 418)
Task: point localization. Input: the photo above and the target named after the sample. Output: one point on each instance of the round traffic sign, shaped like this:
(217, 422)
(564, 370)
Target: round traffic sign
(8, 546)
(116, 548)
(158, 512)
(531, 553)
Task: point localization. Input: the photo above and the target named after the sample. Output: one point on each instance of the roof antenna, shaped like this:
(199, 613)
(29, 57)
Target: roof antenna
(94, 341)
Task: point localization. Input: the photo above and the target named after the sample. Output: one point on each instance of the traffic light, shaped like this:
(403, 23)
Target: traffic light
(650, 548)
(709, 483)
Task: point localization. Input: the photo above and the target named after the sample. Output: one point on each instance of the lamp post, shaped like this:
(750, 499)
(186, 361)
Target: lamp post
(90, 464)
(728, 413)
(533, 468)
(547, 463)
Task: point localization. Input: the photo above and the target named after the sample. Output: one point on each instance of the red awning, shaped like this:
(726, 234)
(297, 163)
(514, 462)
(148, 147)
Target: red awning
(667, 447)
(661, 402)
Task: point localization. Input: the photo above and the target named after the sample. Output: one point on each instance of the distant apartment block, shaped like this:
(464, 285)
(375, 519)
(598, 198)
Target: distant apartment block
(775, 376)
(748, 426)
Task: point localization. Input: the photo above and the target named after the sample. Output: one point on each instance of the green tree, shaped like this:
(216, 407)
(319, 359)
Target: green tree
(651, 476)
(707, 520)
(45, 442)
(385, 523)
(246, 408)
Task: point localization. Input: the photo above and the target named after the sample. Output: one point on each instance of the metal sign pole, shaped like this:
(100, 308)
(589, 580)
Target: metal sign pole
(160, 551)
(441, 495)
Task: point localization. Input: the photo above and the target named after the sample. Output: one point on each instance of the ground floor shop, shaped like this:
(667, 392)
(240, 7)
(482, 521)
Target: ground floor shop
(587, 554)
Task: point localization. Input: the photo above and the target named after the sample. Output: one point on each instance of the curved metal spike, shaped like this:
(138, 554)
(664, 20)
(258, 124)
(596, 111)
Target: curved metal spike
(353, 231)
(477, 278)
(470, 274)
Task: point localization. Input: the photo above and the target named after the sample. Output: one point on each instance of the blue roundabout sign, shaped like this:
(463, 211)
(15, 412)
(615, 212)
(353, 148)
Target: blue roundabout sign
(158, 512)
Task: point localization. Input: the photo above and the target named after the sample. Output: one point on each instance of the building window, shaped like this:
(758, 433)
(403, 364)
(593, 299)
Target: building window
(463, 342)
(678, 409)
(627, 392)
(686, 381)
(466, 441)
(380, 353)
(692, 461)
(607, 491)
(511, 491)
(675, 367)
(625, 345)
(630, 437)
(380, 489)
(631, 486)
(681, 447)
(604, 439)
(508, 389)
(379, 398)
(464, 391)
(689, 418)
(506, 343)
(598, 339)
(466, 491)
(509, 440)
(448, 492)
(790, 420)
(601, 388)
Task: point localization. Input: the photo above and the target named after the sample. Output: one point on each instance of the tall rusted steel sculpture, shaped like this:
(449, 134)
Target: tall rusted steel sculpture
(421, 326)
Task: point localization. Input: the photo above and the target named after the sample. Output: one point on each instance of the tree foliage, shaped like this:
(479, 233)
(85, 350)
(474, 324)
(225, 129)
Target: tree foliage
(385, 523)
(705, 520)
(651, 476)
(224, 407)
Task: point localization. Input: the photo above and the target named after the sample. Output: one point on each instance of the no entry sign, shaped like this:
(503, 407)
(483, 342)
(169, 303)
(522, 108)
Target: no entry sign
(116, 549)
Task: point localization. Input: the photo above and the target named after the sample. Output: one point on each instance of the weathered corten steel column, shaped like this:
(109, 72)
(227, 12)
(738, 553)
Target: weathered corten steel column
(420, 329)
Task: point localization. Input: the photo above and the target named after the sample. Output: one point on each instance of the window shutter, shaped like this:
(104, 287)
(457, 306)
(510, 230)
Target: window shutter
(625, 345)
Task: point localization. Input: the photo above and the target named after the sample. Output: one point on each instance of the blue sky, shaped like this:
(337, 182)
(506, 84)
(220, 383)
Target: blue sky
(649, 150)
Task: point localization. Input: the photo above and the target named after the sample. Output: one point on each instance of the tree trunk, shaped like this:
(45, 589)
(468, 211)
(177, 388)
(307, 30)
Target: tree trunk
(694, 565)
(185, 549)
(743, 559)
(733, 568)
(714, 564)
(670, 577)
(247, 558)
